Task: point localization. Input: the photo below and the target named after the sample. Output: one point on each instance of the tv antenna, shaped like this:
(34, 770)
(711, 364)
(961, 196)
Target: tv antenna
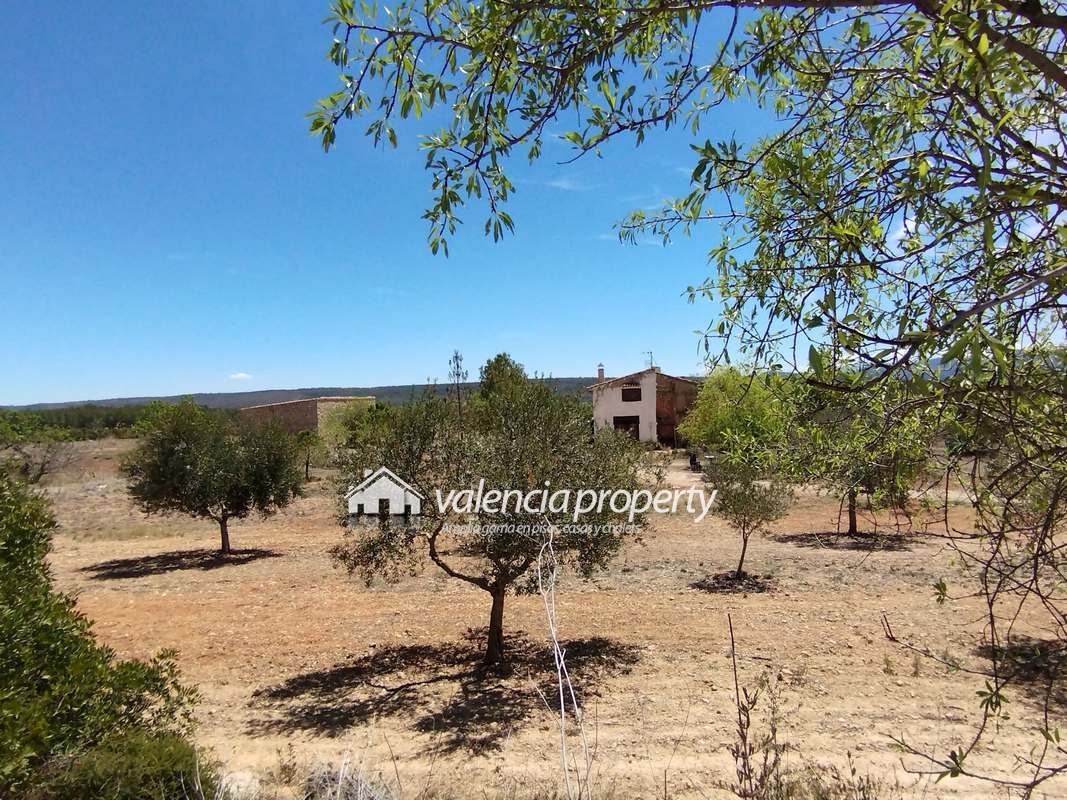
(651, 361)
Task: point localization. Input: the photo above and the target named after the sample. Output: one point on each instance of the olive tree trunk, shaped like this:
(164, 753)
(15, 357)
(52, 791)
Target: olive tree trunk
(853, 528)
(494, 647)
(741, 562)
(225, 532)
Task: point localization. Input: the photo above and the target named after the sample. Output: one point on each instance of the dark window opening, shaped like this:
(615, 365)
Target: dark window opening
(383, 507)
(631, 425)
(631, 394)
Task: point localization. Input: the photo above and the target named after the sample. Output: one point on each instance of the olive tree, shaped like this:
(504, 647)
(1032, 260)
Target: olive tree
(745, 420)
(517, 434)
(746, 496)
(194, 461)
(311, 445)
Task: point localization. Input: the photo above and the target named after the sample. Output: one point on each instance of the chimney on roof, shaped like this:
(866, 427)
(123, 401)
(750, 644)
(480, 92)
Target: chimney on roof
(600, 373)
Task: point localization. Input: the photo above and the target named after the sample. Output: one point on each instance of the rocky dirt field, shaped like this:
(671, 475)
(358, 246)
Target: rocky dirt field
(298, 662)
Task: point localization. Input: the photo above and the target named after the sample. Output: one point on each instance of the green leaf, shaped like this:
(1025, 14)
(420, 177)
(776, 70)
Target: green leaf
(815, 361)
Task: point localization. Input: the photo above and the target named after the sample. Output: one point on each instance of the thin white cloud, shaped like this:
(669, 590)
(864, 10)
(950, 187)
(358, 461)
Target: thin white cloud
(566, 184)
(902, 231)
(240, 376)
(652, 200)
(562, 183)
(642, 241)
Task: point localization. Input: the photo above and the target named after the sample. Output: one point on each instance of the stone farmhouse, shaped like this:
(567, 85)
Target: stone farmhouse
(648, 404)
(296, 416)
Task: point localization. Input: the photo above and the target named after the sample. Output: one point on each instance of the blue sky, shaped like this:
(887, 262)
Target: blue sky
(167, 223)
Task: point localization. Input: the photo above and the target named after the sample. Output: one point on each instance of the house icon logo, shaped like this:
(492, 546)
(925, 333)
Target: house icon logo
(381, 493)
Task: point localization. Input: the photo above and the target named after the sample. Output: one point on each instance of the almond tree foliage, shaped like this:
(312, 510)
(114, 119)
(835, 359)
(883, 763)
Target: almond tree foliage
(191, 460)
(877, 443)
(341, 422)
(60, 690)
(518, 435)
(775, 427)
(730, 404)
(904, 213)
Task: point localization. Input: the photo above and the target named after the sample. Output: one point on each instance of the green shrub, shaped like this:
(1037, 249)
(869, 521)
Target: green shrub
(135, 767)
(60, 690)
(731, 403)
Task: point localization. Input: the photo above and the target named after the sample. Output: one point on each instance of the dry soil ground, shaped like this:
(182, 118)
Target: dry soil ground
(288, 650)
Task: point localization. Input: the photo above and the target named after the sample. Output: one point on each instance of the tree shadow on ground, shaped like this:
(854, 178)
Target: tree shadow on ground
(834, 540)
(174, 561)
(1038, 667)
(730, 583)
(442, 687)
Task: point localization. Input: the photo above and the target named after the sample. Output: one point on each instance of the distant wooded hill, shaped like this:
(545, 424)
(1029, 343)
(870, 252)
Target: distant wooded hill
(388, 394)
